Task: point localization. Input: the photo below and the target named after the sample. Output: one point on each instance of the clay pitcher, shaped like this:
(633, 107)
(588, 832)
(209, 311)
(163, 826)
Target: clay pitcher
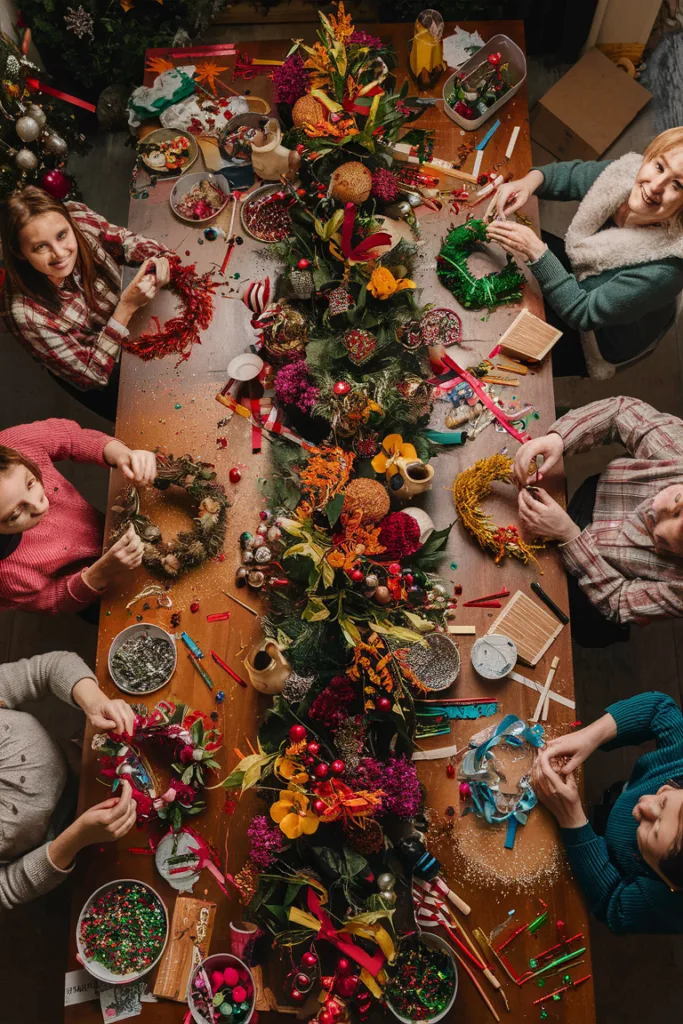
(267, 668)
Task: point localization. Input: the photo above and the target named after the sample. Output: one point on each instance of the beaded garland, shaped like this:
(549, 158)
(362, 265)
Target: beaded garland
(124, 929)
(476, 292)
(469, 489)
(193, 740)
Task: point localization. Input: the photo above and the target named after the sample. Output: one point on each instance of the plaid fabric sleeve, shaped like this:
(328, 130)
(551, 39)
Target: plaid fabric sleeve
(616, 597)
(64, 352)
(124, 245)
(643, 431)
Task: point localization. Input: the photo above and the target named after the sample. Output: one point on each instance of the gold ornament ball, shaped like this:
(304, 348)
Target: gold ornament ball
(382, 595)
(287, 336)
(307, 110)
(351, 183)
(369, 496)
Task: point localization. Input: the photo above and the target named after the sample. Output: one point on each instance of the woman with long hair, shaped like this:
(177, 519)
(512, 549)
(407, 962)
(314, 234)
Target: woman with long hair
(611, 284)
(62, 294)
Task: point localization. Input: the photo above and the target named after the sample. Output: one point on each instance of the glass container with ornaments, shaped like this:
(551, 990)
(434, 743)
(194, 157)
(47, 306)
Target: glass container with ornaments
(426, 54)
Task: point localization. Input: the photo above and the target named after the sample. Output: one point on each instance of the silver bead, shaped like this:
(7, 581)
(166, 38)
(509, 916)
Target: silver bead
(25, 160)
(388, 897)
(27, 128)
(386, 881)
(439, 590)
(263, 555)
(256, 579)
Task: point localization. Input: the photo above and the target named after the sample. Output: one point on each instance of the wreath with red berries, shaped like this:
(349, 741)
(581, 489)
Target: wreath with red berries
(193, 740)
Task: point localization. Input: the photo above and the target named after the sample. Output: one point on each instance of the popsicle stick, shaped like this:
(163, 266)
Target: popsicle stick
(544, 692)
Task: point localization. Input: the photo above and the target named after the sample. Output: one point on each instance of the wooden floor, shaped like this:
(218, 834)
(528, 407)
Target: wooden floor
(636, 978)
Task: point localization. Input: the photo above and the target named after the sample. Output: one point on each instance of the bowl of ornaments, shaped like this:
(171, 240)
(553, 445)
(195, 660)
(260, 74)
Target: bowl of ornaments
(221, 989)
(198, 198)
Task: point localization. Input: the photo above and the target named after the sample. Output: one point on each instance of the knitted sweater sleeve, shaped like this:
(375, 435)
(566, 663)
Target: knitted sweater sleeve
(570, 179)
(33, 678)
(29, 876)
(645, 717)
(57, 440)
(637, 904)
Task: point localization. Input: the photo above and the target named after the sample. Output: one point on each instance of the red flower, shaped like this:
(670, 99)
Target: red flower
(186, 754)
(144, 803)
(230, 805)
(184, 794)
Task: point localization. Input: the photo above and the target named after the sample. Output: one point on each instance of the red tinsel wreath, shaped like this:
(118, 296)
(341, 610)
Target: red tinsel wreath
(181, 332)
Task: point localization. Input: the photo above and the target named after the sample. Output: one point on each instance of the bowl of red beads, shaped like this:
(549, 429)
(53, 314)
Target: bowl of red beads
(122, 931)
(221, 990)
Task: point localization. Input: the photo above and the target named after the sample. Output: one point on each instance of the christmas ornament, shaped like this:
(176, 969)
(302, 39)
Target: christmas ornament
(38, 115)
(382, 596)
(384, 185)
(234, 475)
(55, 144)
(307, 110)
(300, 284)
(25, 160)
(351, 183)
(341, 388)
(472, 292)
(27, 128)
(284, 332)
(80, 22)
(340, 301)
(368, 497)
(360, 344)
(55, 183)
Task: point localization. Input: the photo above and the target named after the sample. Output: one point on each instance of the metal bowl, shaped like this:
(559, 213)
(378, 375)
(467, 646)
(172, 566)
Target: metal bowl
(434, 942)
(187, 182)
(97, 969)
(140, 627)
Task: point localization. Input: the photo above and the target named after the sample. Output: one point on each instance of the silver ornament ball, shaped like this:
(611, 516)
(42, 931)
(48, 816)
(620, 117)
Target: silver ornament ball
(263, 555)
(388, 897)
(247, 557)
(386, 881)
(25, 160)
(55, 144)
(38, 115)
(262, 530)
(27, 128)
(256, 579)
(371, 581)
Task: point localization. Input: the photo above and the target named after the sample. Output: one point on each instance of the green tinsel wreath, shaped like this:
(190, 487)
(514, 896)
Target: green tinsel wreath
(475, 292)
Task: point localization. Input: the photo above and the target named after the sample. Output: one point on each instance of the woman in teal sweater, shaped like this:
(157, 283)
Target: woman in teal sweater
(632, 877)
(611, 285)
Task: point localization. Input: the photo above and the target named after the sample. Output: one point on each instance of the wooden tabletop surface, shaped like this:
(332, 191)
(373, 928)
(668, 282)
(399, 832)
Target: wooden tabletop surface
(174, 407)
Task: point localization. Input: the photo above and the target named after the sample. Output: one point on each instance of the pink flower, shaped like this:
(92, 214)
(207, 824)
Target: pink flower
(187, 754)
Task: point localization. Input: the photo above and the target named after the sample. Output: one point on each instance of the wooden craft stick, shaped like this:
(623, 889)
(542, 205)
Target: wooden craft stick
(477, 163)
(461, 630)
(544, 692)
(512, 143)
(512, 367)
(480, 990)
(546, 702)
(533, 685)
(240, 603)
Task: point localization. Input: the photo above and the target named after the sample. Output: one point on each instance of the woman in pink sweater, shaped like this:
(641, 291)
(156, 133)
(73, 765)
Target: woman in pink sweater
(50, 537)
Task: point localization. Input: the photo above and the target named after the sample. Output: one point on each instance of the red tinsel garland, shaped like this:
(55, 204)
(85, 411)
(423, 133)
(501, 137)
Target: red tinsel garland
(181, 332)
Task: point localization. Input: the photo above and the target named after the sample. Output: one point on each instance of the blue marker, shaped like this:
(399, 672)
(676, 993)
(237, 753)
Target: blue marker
(191, 645)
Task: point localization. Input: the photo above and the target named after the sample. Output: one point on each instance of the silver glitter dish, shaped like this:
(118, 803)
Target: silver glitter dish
(437, 665)
(155, 682)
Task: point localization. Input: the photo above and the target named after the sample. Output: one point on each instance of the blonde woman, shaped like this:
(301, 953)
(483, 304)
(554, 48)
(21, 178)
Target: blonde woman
(611, 285)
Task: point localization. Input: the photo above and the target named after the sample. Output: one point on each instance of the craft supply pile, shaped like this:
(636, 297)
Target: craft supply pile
(353, 386)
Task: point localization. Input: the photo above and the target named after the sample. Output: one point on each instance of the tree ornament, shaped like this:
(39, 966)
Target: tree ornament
(340, 301)
(344, 966)
(297, 733)
(25, 160)
(351, 183)
(284, 331)
(360, 344)
(367, 496)
(297, 996)
(384, 185)
(303, 264)
(472, 292)
(321, 770)
(307, 110)
(55, 183)
(357, 576)
(38, 115)
(303, 982)
(386, 881)
(341, 388)
(300, 284)
(55, 144)
(371, 581)
(27, 128)
(313, 747)
(382, 595)
(319, 806)
(234, 475)
(383, 704)
(338, 767)
(309, 959)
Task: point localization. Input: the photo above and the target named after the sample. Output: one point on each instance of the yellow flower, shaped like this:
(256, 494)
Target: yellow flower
(293, 816)
(392, 448)
(289, 770)
(383, 284)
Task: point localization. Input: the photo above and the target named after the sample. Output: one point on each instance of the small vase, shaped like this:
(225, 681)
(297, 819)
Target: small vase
(269, 158)
(267, 668)
(413, 477)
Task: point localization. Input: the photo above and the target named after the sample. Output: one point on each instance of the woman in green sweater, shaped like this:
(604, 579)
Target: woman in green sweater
(611, 285)
(632, 877)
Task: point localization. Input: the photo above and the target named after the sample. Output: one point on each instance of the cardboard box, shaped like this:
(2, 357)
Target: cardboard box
(623, 21)
(583, 113)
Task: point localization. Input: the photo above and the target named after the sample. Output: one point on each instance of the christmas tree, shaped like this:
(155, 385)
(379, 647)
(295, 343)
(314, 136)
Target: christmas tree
(36, 133)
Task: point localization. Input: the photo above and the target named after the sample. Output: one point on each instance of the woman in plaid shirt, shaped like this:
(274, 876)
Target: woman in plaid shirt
(62, 292)
(627, 552)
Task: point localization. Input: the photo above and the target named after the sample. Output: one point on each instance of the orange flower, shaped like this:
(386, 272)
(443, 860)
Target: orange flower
(342, 26)
(208, 71)
(343, 802)
(292, 814)
(320, 66)
(290, 770)
(383, 284)
(158, 65)
(393, 448)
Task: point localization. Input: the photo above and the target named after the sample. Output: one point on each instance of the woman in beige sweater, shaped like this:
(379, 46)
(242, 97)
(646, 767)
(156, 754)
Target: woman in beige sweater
(33, 858)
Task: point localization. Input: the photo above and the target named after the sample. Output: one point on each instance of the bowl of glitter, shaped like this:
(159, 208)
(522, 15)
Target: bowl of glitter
(122, 931)
(222, 984)
(142, 658)
(423, 980)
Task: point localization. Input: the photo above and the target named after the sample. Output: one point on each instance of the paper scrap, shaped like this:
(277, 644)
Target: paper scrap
(460, 46)
(79, 987)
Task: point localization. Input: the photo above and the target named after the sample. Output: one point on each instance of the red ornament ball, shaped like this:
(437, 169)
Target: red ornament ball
(321, 770)
(303, 264)
(327, 980)
(234, 475)
(319, 806)
(230, 977)
(334, 1008)
(347, 986)
(302, 982)
(450, 771)
(297, 996)
(465, 791)
(309, 959)
(337, 767)
(494, 59)
(301, 148)
(383, 704)
(342, 387)
(297, 733)
(394, 568)
(55, 184)
(194, 607)
(239, 994)
(344, 966)
(313, 747)
(409, 579)
(357, 576)
(325, 1017)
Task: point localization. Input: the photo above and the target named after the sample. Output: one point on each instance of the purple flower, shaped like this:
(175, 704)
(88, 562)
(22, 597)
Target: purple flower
(365, 39)
(331, 706)
(396, 778)
(266, 842)
(290, 81)
(294, 387)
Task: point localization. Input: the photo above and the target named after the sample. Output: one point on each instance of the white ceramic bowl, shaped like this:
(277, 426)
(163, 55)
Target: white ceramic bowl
(187, 182)
(140, 627)
(434, 942)
(246, 366)
(512, 55)
(217, 962)
(97, 969)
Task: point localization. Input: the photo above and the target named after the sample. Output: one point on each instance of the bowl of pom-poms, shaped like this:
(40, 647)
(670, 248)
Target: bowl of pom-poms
(122, 931)
(221, 988)
(198, 198)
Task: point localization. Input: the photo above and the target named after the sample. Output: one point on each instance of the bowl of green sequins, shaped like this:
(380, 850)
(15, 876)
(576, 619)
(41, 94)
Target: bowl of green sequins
(423, 980)
(142, 658)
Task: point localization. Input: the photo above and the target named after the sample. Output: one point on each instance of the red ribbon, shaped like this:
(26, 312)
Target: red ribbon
(362, 252)
(372, 964)
(488, 402)
(37, 86)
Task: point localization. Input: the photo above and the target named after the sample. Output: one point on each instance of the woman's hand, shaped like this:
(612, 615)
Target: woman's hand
(541, 516)
(550, 446)
(103, 823)
(513, 195)
(138, 466)
(517, 239)
(578, 746)
(141, 290)
(163, 271)
(123, 556)
(560, 796)
(102, 712)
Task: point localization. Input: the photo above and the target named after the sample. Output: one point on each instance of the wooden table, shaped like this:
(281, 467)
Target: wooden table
(175, 408)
